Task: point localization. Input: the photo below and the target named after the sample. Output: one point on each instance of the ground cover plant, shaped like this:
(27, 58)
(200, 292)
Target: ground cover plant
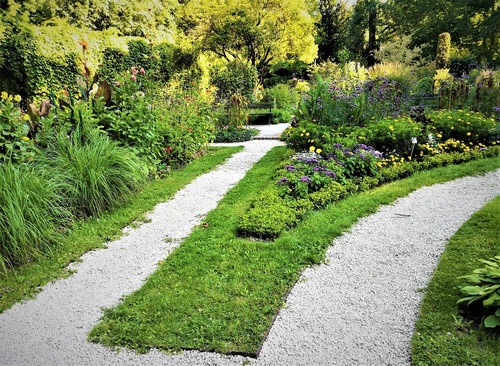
(219, 292)
(446, 333)
(26, 280)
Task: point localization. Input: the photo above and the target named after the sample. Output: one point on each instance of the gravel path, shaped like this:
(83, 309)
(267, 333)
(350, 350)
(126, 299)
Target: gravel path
(360, 308)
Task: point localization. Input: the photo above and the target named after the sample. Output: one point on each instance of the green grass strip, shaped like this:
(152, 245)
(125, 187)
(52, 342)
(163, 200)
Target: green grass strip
(218, 292)
(23, 282)
(442, 336)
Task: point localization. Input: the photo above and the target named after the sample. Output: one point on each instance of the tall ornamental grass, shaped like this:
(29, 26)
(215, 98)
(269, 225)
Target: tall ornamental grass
(101, 172)
(29, 213)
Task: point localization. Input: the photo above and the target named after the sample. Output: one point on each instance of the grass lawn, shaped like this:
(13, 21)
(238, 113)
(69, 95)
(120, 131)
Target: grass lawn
(219, 292)
(443, 335)
(23, 282)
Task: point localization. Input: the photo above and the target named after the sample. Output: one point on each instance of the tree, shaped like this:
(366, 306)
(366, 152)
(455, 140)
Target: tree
(331, 29)
(472, 24)
(148, 18)
(364, 20)
(260, 32)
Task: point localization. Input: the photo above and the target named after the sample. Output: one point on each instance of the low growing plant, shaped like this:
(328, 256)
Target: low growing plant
(483, 286)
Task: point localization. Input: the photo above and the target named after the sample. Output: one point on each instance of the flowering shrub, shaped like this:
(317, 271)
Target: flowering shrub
(14, 143)
(307, 174)
(463, 125)
(393, 135)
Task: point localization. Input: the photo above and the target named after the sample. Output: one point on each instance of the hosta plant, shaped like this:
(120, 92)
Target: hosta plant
(483, 285)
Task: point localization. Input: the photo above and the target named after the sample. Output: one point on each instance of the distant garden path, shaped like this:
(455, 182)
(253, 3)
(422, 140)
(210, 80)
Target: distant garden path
(359, 308)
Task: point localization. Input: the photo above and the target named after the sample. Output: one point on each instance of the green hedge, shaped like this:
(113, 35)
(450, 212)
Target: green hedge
(37, 59)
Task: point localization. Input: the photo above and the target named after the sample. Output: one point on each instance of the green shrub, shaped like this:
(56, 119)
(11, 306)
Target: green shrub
(15, 145)
(30, 210)
(335, 191)
(483, 286)
(283, 96)
(465, 126)
(268, 217)
(393, 135)
(281, 116)
(100, 172)
(235, 134)
(235, 78)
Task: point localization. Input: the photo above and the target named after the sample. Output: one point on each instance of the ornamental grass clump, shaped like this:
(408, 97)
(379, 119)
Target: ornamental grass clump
(100, 171)
(30, 212)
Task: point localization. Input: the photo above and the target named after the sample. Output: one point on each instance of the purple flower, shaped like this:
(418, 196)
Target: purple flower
(496, 109)
(331, 174)
(338, 146)
(283, 181)
(317, 169)
(312, 161)
(290, 168)
(305, 179)
(362, 156)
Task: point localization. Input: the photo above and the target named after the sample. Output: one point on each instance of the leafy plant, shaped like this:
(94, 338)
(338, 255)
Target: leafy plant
(15, 145)
(483, 286)
(235, 134)
(100, 172)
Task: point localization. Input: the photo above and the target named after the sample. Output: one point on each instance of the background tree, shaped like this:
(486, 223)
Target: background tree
(261, 32)
(331, 29)
(472, 24)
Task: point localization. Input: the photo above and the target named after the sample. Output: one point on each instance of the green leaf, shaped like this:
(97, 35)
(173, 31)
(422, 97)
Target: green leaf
(472, 290)
(492, 321)
(492, 300)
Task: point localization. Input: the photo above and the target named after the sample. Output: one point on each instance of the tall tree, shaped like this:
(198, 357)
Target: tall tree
(363, 30)
(332, 29)
(260, 32)
(472, 24)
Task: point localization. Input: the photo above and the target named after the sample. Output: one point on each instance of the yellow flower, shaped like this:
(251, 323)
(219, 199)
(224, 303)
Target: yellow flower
(312, 140)
(307, 134)
(318, 151)
(468, 133)
(4, 95)
(25, 138)
(312, 148)
(391, 128)
(301, 134)
(439, 135)
(452, 127)
(17, 98)
(26, 117)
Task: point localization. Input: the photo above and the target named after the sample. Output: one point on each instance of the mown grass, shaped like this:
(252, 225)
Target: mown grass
(444, 335)
(219, 292)
(24, 281)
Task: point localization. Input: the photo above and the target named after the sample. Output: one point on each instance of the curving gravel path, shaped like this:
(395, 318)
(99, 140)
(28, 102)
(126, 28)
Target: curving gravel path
(359, 308)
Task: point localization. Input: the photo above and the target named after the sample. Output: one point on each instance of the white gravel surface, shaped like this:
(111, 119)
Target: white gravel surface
(359, 308)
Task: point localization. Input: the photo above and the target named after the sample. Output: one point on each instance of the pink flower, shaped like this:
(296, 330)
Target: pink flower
(142, 71)
(134, 70)
(133, 78)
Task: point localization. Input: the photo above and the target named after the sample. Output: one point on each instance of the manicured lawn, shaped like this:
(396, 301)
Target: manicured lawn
(219, 292)
(25, 281)
(443, 335)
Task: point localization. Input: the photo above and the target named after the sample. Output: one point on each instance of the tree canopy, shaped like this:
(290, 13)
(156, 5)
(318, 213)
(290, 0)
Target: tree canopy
(260, 32)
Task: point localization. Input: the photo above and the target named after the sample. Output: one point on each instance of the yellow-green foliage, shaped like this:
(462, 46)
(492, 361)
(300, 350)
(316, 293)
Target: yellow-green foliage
(38, 59)
(443, 50)
(57, 41)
